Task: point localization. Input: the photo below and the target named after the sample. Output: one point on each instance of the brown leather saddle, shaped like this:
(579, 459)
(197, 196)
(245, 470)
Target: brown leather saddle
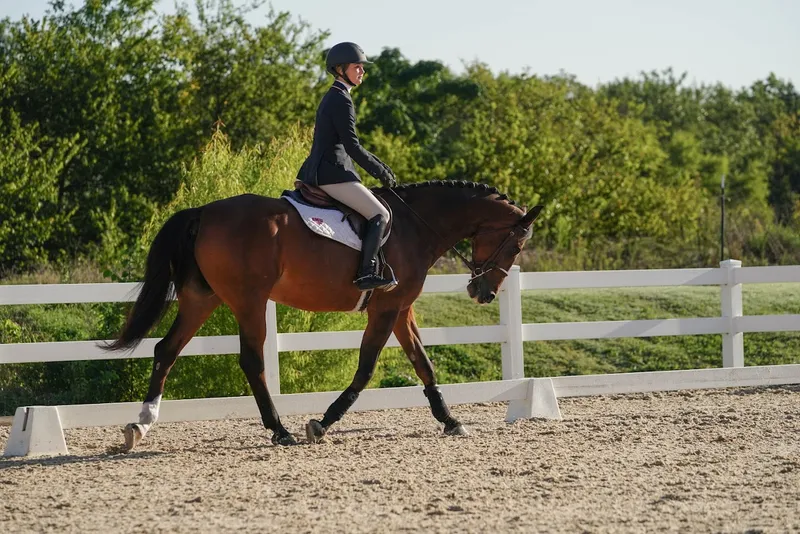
(314, 196)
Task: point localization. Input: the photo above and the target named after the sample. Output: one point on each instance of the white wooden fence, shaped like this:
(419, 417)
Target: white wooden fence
(510, 333)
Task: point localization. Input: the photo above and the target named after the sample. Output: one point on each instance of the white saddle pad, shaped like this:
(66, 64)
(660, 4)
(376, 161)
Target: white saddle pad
(328, 223)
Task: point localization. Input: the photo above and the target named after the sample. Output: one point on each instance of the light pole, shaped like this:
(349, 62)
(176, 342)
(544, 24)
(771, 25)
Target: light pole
(722, 220)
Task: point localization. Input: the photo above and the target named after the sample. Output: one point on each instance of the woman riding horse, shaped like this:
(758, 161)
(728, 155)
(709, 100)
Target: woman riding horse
(330, 164)
(246, 250)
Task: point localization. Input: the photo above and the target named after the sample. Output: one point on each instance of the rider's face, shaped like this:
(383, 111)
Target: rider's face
(355, 73)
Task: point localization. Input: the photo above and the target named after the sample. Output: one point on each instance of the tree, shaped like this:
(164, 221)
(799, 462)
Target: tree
(30, 166)
(96, 74)
(139, 94)
(257, 81)
(416, 101)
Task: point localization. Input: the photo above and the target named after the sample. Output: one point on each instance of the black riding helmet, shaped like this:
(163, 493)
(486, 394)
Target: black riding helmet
(344, 54)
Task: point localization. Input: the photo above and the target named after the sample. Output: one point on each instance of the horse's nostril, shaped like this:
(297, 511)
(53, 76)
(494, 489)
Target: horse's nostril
(471, 291)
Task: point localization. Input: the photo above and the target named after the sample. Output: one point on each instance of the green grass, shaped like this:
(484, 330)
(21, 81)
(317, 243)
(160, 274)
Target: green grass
(332, 370)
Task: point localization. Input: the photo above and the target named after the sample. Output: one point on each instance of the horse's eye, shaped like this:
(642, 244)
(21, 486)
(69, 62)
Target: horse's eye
(516, 250)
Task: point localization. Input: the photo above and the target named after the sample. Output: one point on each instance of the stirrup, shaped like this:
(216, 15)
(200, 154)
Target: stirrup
(380, 283)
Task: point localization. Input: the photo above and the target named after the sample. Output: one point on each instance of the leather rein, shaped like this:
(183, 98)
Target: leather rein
(476, 269)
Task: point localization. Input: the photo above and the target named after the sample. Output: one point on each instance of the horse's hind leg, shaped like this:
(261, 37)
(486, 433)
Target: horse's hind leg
(194, 307)
(252, 332)
(407, 334)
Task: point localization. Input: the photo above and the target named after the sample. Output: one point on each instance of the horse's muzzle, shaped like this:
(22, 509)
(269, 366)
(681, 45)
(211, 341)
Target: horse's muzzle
(487, 298)
(480, 292)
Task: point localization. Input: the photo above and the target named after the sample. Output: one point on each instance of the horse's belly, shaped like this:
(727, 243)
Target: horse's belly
(316, 273)
(316, 293)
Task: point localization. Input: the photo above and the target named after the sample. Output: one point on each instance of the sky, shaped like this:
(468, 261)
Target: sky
(597, 41)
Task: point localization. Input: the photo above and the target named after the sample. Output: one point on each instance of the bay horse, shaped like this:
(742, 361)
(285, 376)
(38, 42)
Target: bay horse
(244, 250)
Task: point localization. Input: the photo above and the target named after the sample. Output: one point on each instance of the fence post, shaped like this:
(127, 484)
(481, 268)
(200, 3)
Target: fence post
(271, 360)
(731, 299)
(510, 300)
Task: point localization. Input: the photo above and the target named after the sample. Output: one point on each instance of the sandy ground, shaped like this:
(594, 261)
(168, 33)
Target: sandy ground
(699, 461)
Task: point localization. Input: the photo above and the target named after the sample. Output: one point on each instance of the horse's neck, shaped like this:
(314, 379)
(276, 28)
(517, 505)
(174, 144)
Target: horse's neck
(444, 219)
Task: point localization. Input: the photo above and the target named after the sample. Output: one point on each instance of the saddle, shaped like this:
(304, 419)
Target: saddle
(310, 195)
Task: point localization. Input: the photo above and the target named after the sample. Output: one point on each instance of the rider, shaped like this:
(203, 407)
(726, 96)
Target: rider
(335, 146)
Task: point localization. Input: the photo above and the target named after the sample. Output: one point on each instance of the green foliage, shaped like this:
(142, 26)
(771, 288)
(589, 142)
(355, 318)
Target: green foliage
(126, 98)
(398, 381)
(415, 101)
(64, 382)
(736, 133)
(774, 245)
(30, 167)
(94, 74)
(117, 99)
(552, 141)
(578, 357)
(221, 172)
(257, 81)
(629, 173)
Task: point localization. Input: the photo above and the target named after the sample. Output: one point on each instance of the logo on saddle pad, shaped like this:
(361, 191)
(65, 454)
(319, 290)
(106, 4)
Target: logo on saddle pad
(327, 223)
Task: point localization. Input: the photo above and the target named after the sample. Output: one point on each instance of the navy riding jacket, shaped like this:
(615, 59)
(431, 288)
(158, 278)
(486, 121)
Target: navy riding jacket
(336, 144)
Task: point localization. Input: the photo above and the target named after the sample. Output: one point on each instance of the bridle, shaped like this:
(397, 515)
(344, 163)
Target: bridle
(476, 269)
(488, 265)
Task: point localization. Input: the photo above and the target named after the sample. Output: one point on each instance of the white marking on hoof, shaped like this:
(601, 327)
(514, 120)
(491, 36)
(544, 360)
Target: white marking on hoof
(149, 413)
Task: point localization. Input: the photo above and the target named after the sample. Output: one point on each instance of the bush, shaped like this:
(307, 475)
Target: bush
(773, 245)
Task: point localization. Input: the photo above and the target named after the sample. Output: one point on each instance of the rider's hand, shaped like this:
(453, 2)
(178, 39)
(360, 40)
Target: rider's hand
(388, 179)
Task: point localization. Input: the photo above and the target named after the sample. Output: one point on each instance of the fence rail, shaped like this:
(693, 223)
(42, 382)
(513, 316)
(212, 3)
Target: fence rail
(511, 331)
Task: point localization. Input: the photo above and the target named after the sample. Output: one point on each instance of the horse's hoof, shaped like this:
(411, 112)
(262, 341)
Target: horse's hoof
(283, 439)
(314, 431)
(457, 430)
(133, 435)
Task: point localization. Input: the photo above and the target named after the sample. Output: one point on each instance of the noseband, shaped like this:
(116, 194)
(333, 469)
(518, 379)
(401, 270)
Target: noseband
(480, 269)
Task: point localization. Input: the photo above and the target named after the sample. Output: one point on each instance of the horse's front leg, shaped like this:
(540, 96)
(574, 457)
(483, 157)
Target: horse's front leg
(407, 333)
(379, 328)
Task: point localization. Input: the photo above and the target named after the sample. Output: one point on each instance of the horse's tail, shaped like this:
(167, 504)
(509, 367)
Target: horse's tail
(170, 259)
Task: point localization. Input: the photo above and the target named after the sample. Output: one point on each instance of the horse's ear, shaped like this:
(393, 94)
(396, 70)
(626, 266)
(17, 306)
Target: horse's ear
(531, 216)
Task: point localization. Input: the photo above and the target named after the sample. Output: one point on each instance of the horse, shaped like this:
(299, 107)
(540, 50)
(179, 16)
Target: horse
(247, 249)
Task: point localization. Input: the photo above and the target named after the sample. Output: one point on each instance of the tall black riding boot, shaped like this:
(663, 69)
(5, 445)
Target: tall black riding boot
(368, 277)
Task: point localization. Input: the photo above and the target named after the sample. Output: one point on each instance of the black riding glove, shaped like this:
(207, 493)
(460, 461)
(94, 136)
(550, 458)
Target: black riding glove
(388, 179)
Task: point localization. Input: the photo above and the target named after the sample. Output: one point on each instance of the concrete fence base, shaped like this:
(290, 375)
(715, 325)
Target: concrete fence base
(36, 431)
(540, 402)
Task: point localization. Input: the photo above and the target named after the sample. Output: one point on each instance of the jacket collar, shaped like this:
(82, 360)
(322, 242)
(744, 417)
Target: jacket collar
(341, 86)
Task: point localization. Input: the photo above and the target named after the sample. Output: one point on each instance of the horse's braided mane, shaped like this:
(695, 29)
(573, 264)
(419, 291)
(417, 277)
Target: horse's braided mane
(460, 184)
